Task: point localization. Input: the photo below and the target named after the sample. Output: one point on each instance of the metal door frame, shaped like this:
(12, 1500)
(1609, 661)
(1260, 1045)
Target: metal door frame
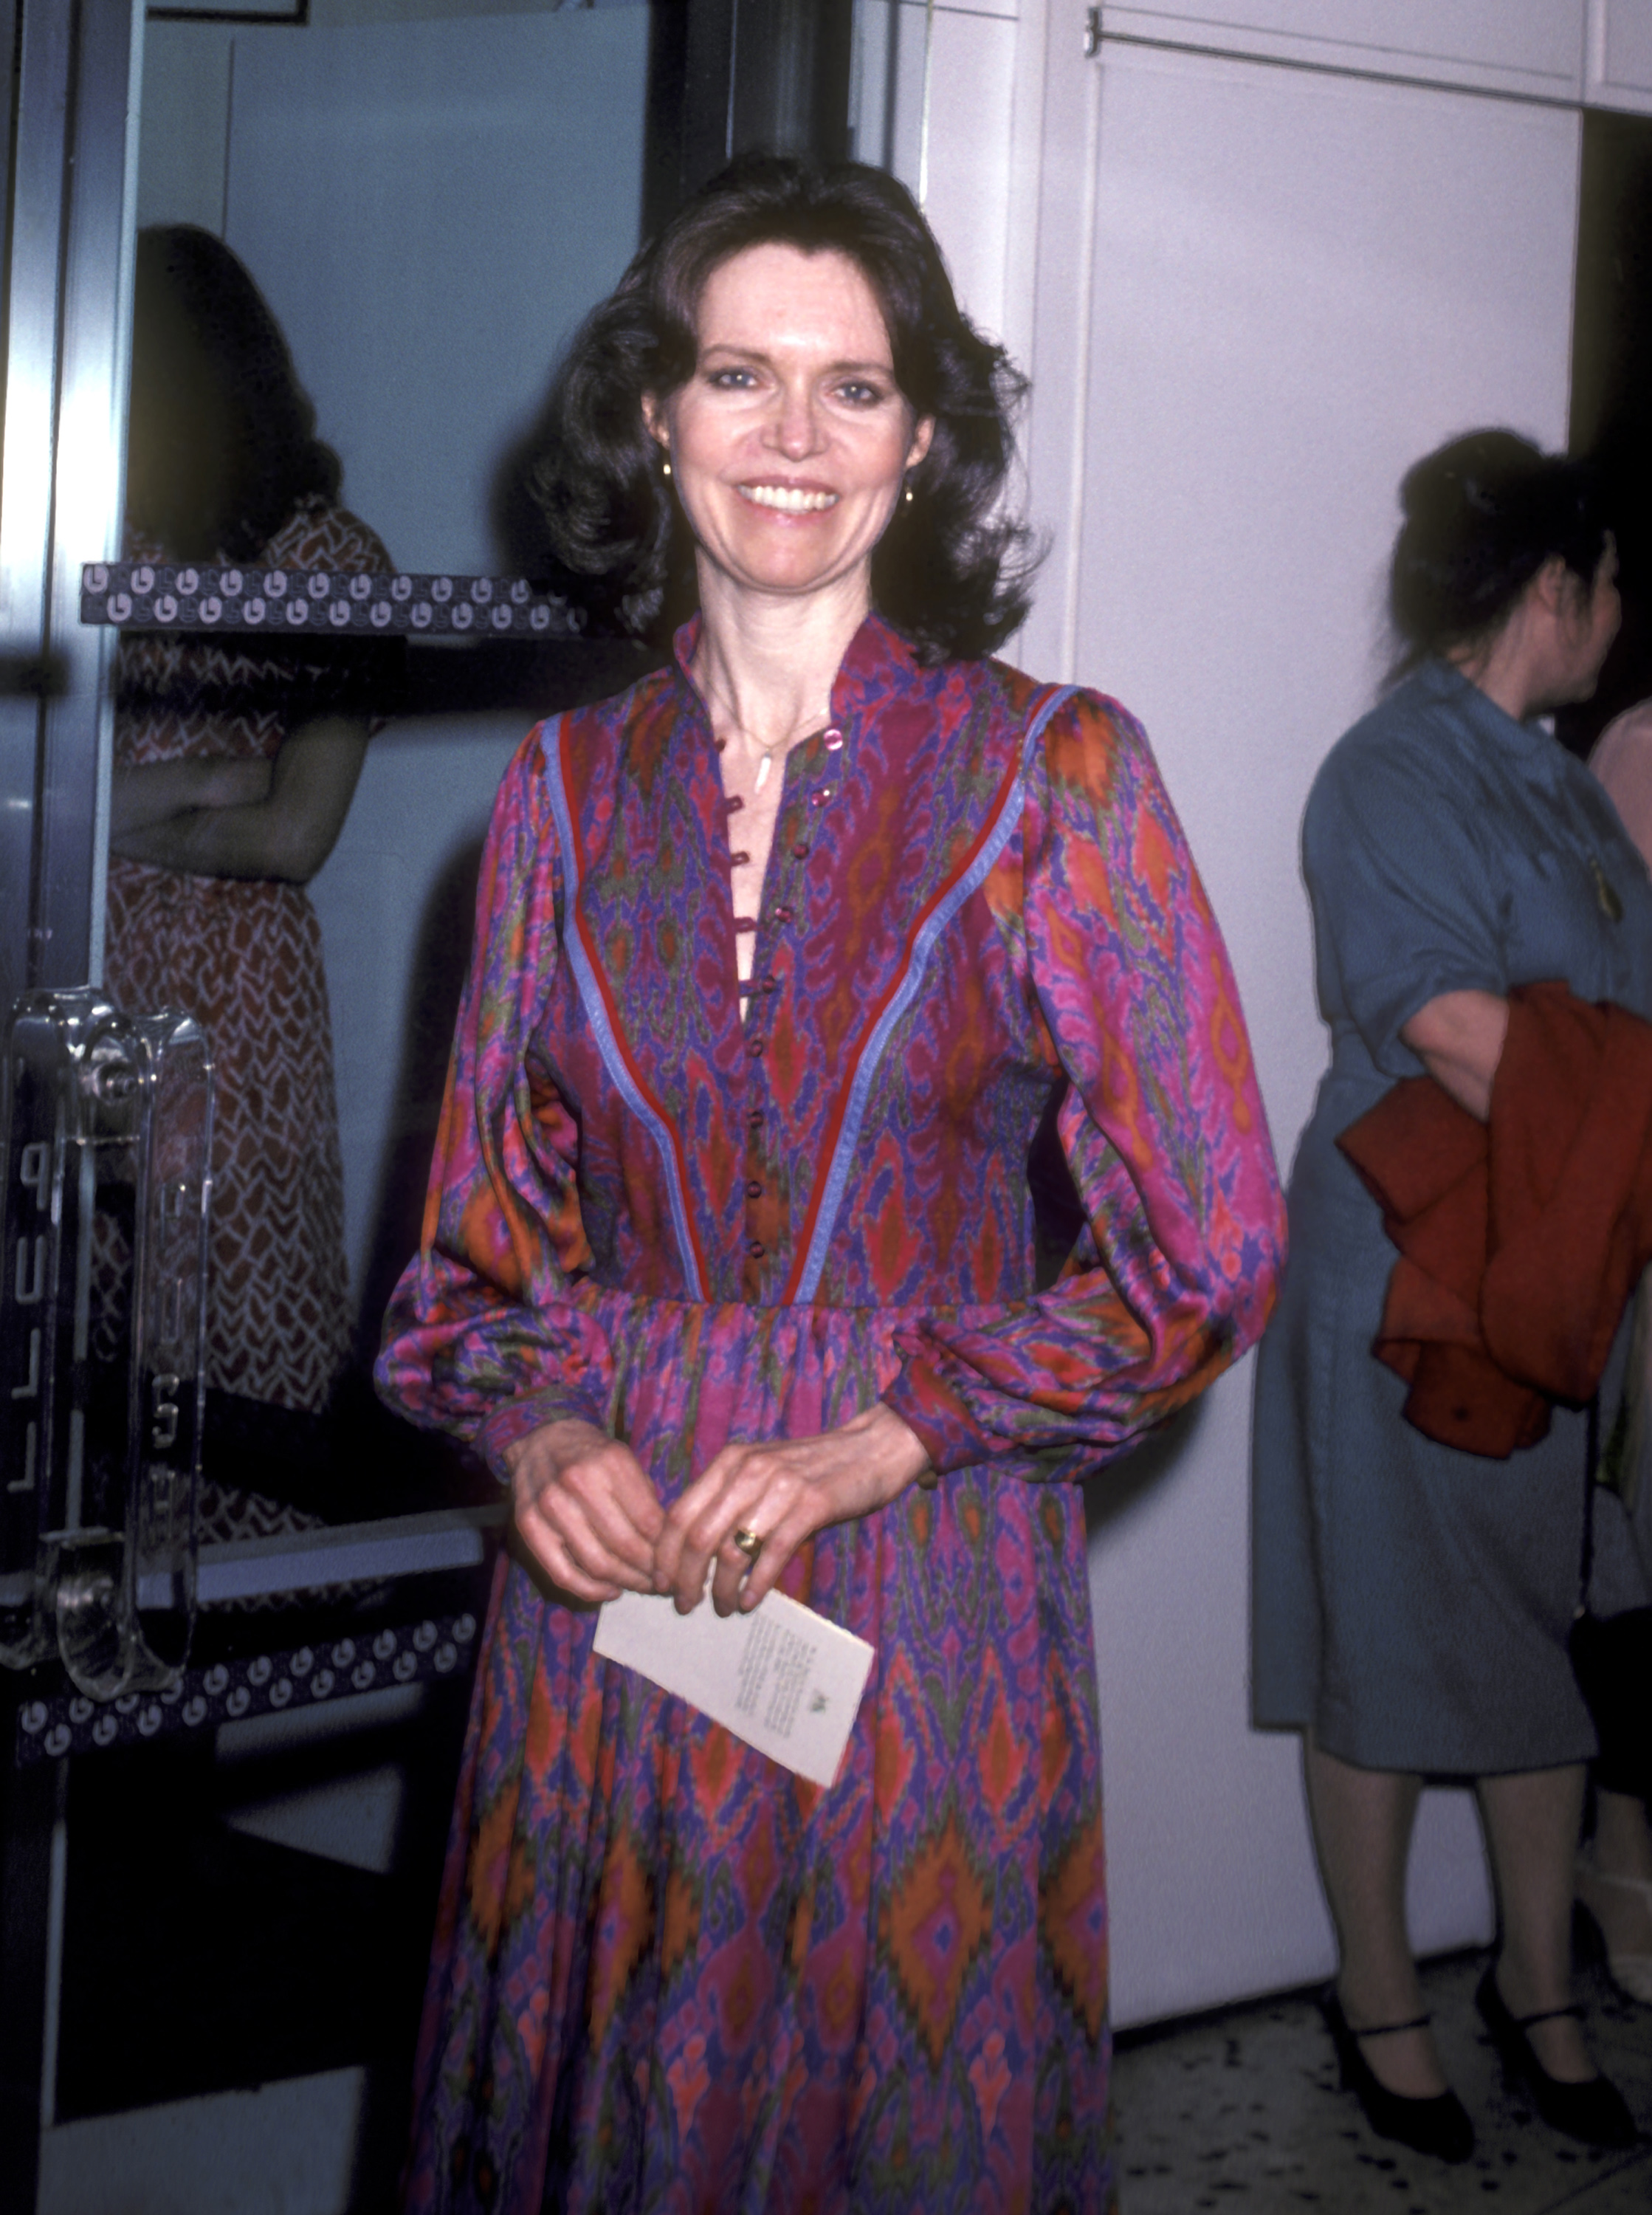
(77, 80)
(68, 173)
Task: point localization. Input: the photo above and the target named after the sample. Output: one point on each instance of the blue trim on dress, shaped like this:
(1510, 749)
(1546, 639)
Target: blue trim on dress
(595, 1007)
(848, 1139)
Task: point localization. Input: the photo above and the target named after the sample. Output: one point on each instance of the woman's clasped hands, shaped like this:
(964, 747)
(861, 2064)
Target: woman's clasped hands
(588, 1512)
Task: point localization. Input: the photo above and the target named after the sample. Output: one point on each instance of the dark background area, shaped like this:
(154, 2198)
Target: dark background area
(1612, 380)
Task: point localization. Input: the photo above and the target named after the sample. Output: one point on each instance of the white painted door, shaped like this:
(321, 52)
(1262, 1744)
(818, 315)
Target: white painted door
(1261, 293)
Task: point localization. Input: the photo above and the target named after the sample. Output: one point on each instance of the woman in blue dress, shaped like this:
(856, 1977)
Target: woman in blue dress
(1412, 1601)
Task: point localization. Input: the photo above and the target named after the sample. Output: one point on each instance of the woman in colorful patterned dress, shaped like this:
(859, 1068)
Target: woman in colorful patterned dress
(788, 961)
(234, 766)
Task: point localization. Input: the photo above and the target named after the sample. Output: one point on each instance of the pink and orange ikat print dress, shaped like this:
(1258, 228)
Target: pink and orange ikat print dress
(668, 1975)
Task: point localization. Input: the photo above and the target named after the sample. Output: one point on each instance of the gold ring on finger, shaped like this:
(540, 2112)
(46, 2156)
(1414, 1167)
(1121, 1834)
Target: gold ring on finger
(748, 1541)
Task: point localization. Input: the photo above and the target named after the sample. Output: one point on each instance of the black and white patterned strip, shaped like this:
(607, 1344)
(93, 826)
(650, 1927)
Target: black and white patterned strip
(168, 595)
(254, 1685)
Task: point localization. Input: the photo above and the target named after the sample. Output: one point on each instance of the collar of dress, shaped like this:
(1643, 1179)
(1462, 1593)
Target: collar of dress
(878, 660)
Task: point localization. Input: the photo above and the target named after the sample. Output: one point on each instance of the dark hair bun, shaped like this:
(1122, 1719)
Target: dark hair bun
(1483, 514)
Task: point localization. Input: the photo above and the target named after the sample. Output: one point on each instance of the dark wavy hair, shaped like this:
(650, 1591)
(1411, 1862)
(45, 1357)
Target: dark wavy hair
(1483, 514)
(950, 572)
(221, 444)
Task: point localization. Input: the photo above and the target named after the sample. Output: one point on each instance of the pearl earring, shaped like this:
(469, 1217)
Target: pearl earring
(908, 495)
(665, 469)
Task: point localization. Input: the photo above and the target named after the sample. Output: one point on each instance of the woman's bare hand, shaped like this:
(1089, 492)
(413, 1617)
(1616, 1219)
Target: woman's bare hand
(785, 1489)
(586, 1509)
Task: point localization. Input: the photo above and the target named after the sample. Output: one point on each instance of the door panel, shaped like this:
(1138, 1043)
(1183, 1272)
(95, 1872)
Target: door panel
(1296, 283)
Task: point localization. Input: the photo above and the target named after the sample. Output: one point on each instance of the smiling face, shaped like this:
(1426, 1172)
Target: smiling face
(790, 440)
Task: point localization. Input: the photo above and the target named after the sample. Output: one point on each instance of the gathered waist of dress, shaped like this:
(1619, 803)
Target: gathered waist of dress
(750, 1371)
(607, 1302)
(680, 1379)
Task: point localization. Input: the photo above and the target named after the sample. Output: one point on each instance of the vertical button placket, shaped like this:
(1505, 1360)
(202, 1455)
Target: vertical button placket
(815, 775)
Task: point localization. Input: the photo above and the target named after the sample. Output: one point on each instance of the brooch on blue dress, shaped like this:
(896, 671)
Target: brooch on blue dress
(1610, 906)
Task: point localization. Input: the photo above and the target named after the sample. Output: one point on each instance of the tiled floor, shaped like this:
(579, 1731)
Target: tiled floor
(1242, 2110)
(177, 2003)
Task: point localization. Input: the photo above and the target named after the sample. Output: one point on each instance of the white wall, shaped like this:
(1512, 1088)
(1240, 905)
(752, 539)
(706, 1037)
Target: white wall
(957, 67)
(1295, 284)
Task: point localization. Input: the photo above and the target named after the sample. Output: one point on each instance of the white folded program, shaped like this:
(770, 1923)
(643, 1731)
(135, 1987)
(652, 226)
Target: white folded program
(782, 1678)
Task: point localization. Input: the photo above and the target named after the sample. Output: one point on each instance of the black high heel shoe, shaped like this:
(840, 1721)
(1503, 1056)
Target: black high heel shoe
(1439, 2125)
(1592, 2111)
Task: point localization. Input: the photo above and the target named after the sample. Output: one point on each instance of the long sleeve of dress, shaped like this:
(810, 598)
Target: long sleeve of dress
(1162, 1127)
(482, 1336)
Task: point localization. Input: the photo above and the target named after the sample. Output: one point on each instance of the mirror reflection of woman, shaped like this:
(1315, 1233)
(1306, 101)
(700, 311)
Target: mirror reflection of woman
(235, 763)
(784, 961)
(1413, 1601)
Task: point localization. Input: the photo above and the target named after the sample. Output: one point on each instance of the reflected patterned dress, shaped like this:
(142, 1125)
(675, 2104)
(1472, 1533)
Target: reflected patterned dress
(243, 956)
(667, 1974)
